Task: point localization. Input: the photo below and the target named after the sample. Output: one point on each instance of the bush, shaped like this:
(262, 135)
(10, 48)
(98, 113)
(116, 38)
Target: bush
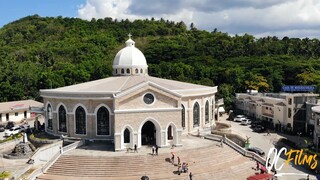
(5, 174)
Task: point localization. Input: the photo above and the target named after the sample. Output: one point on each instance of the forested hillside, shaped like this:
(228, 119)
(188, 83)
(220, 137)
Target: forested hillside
(39, 53)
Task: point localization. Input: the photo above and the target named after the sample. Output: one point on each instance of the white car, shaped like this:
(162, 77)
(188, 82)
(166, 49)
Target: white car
(245, 122)
(239, 118)
(12, 131)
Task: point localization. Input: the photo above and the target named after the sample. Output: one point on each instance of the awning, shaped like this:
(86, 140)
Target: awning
(221, 110)
(260, 177)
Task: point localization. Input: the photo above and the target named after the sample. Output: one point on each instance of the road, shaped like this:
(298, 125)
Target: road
(266, 142)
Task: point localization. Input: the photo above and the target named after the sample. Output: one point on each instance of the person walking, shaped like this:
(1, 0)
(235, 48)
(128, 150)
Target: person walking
(178, 159)
(190, 175)
(172, 158)
(221, 142)
(268, 132)
(153, 148)
(135, 148)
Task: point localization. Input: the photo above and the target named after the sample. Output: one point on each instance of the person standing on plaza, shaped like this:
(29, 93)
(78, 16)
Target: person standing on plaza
(135, 148)
(157, 150)
(153, 148)
(178, 159)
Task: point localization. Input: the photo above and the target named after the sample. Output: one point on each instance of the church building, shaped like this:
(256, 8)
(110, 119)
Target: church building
(130, 107)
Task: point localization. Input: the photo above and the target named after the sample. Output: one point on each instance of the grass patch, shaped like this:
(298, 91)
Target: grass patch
(16, 136)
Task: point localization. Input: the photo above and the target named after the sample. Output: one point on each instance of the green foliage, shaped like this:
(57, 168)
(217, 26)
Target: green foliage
(41, 53)
(5, 174)
(16, 136)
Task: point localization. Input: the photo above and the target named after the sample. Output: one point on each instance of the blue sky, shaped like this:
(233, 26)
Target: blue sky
(292, 18)
(11, 10)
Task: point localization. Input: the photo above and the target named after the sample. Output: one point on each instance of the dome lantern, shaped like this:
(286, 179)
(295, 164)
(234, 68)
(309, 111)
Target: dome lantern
(130, 61)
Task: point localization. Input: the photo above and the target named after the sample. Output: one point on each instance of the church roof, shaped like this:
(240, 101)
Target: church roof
(118, 84)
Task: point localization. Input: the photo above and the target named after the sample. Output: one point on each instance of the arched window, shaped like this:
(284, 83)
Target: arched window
(196, 114)
(126, 135)
(80, 121)
(128, 71)
(141, 71)
(207, 112)
(169, 133)
(62, 119)
(137, 71)
(49, 115)
(212, 109)
(103, 121)
(122, 71)
(183, 117)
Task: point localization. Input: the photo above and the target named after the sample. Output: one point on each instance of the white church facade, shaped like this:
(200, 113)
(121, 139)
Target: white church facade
(131, 107)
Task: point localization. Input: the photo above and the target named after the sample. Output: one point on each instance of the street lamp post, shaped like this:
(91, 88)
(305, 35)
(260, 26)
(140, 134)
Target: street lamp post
(299, 133)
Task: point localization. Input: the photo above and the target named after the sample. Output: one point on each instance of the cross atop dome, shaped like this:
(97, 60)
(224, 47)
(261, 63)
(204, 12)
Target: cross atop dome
(129, 35)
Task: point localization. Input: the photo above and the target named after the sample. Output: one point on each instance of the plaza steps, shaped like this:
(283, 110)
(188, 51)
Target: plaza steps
(209, 162)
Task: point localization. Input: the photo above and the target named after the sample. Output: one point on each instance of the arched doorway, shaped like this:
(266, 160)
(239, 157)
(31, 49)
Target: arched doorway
(148, 134)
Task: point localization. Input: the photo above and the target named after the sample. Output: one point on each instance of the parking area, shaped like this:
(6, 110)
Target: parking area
(265, 141)
(29, 122)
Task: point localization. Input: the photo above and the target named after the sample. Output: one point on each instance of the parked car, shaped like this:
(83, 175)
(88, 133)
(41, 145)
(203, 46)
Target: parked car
(256, 150)
(9, 125)
(12, 131)
(255, 123)
(245, 122)
(259, 128)
(25, 127)
(239, 118)
(2, 127)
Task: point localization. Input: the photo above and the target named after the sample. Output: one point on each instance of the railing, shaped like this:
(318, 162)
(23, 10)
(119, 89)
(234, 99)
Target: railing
(72, 146)
(44, 167)
(236, 147)
(49, 163)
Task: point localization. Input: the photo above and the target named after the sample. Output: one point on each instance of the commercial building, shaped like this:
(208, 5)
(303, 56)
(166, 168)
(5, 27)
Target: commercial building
(17, 111)
(285, 111)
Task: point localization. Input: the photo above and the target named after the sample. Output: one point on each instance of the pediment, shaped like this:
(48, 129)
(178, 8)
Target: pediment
(147, 96)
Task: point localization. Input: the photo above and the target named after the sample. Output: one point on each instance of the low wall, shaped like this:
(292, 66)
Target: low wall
(9, 145)
(238, 148)
(57, 150)
(234, 137)
(222, 127)
(45, 153)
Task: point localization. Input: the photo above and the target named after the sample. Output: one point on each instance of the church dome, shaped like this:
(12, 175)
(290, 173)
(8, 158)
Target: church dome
(130, 61)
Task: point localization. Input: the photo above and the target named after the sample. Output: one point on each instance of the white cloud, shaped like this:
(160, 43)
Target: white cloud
(256, 17)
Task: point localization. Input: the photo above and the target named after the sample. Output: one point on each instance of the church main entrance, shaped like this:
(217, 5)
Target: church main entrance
(148, 134)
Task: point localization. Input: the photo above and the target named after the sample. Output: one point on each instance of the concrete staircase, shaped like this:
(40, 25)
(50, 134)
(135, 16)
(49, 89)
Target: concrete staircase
(210, 162)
